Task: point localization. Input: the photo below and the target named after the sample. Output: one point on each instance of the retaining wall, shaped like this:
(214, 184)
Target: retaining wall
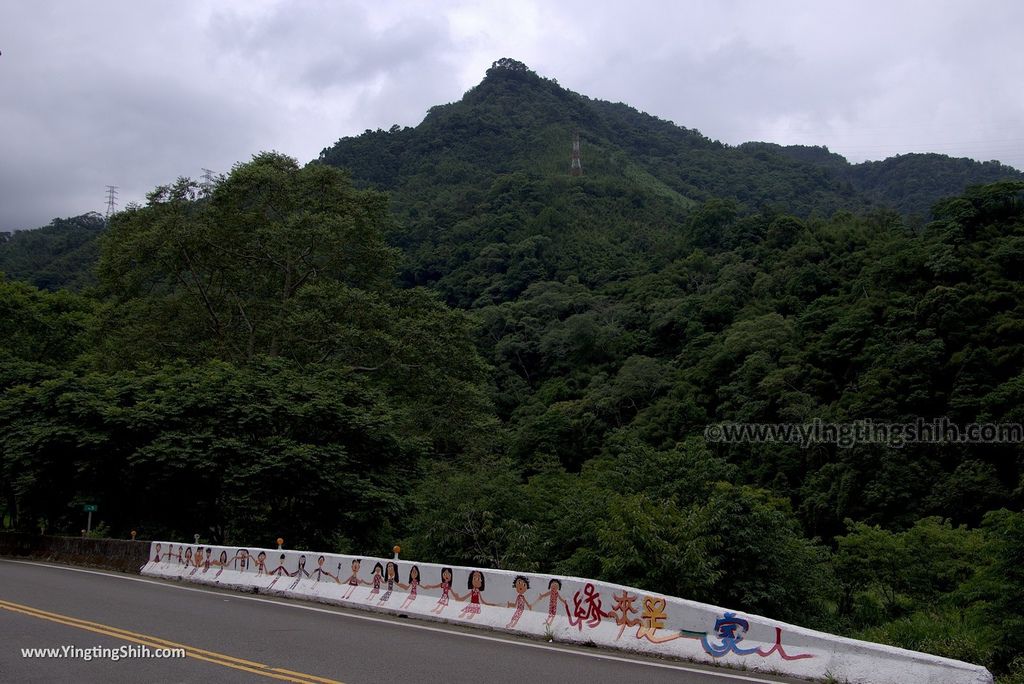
(114, 554)
(567, 609)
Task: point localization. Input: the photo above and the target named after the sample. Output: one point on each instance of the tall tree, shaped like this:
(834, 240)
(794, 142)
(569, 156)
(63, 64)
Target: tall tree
(224, 274)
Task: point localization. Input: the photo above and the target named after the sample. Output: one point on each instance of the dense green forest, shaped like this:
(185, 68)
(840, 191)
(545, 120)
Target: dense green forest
(60, 255)
(454, 345)
(909, 183)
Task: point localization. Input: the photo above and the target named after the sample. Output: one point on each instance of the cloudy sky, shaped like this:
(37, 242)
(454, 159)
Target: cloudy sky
(135, 93)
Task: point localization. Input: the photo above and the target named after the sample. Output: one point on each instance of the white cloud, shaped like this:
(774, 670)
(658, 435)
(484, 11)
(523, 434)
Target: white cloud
(135, 94)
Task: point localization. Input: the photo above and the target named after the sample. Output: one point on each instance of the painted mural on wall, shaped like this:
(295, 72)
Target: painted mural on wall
(730, 630)
(559, 608)
(570, 608)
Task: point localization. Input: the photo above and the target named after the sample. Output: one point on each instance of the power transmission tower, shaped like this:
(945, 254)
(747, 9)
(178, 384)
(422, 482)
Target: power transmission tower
(575, 168)
(207, 184)
(111, 200)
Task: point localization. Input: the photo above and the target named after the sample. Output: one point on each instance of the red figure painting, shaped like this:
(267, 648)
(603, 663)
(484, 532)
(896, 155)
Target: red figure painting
(221, 563)
(391, 578)
(414, 583)
(555, 595)
(521, 583)
(445, 585)
(375, 581)
(197, 560)
(241, 560)
(476, 585)
(353, 580)
(261, 564)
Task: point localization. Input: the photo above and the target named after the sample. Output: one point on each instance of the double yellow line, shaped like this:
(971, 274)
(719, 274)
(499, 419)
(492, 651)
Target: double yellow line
(155, 642)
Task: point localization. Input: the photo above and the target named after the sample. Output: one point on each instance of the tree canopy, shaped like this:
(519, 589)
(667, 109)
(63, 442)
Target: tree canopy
(501, 365)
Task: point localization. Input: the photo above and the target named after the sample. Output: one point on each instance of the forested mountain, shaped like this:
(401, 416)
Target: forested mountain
(486, 205)
(60, 255)
(910, 183)
(503, 150)
(456, 345)
(245, 353)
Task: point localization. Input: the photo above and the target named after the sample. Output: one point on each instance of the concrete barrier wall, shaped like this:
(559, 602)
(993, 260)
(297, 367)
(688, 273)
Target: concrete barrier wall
(568, 609)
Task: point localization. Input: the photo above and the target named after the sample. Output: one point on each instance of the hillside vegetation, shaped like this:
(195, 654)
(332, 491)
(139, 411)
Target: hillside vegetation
(454, 345)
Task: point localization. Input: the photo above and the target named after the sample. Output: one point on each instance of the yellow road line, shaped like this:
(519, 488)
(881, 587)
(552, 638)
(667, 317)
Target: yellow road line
(116, 631)
(156, 642)
(38, 612)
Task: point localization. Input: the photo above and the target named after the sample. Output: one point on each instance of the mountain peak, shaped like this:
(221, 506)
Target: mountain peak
(515, 120)
(509, 64)
(508, 69)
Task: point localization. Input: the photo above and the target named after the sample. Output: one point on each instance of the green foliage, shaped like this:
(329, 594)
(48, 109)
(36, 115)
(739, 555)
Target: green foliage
(251, 365)
(100, 531)
(242, 453)
(622, 520)
(955, 592)
(943, 632)
(39, 326)
(60, 255)
(839, 320)
(472, 513)
(226, 275)
(885, 574)
(487, 208)
(280, 355)
(997, 589)
(910, 183)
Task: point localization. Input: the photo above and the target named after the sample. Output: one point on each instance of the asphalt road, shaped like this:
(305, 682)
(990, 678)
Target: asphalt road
(232, 637)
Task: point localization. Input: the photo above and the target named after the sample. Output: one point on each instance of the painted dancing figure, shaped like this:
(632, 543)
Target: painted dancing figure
(222, 563)
(414, 582)
(241, 560)
(353, 580)
(261, 564)
(278, 572)
(391, 577)
(476, 585)
(320, 572)
(197, 560)
(375, 582)
(300, 573)
(554, 592)
(445, 585)
(521, 583)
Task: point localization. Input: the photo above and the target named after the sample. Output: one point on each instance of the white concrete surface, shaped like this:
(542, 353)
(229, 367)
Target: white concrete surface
(608, 615)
